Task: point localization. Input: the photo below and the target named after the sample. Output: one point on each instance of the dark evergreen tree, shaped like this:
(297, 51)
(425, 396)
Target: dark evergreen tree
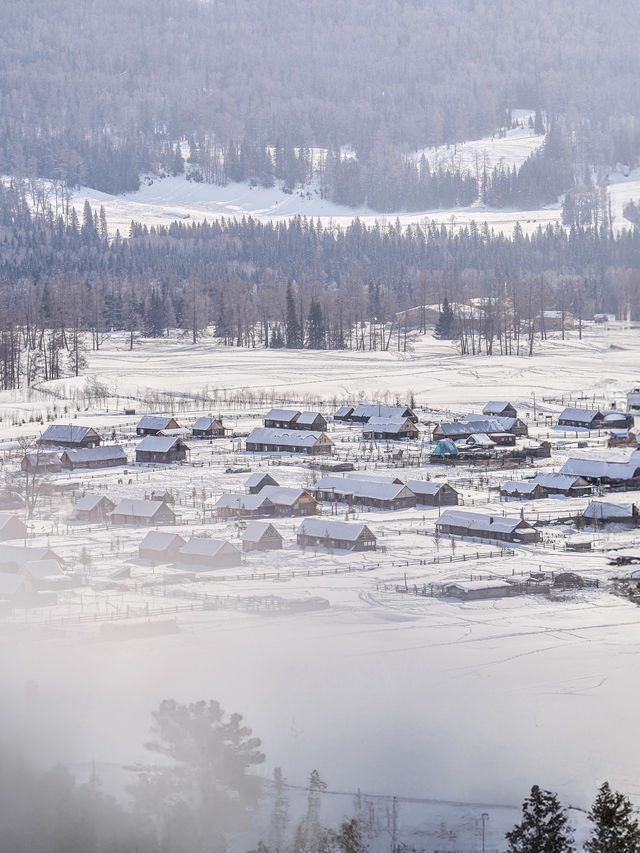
(446, 322)
(544, 827)
(615, 829)
(293, 331)
(316, 337)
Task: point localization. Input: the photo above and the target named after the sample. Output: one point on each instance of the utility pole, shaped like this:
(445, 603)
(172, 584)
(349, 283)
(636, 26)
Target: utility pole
(485, 818)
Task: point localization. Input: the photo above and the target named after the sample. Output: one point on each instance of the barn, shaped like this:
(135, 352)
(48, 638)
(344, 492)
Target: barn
(160, 546)
(330, 533)
(63, 435)
(205, 554)
(261, 536)
(93, 457)
(208, 428)
(93, 509)
(476, 525)
(11, 527)
(235, 505)
(433, 493)
(154, 424)
(265, 440)
(160, 449)
(258, 480)
(141, 512)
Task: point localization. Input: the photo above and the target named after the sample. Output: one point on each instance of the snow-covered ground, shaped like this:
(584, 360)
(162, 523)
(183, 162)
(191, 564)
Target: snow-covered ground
(462, 704)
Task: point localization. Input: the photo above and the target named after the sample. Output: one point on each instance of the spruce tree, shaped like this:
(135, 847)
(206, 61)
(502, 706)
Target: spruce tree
(315, 326)
(543, 828)
(446, 319)
(615, 830)
(294, 337)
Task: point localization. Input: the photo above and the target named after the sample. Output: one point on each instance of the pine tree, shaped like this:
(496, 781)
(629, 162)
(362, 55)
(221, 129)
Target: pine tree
(446, 319)
(544, 827)
(350, 838)
(294, 337)
(615, 830)
(315, 326)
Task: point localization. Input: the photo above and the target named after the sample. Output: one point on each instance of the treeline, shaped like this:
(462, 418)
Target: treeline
(99, 92)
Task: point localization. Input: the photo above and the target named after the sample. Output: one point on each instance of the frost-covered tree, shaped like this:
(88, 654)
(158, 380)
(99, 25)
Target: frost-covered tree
(544, 827)
(615, 829)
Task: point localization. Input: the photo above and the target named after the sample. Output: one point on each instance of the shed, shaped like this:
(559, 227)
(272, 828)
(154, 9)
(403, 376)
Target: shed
(501, 408)
(164, 450)
(205, 554)
(141, 512)
(341, 535)
(258, 480)
(153, 424)
(583, 418)
(208, 428)
(63, 435)
(107, 456)
(160, 546)
(433, 493)
(524, 489)
(480, 590)
(604, 511)
(11, 527)
(444, 449)
(93, 509)
(261, 536)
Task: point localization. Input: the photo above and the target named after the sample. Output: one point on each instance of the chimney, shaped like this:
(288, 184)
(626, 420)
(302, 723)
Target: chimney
(490, 519)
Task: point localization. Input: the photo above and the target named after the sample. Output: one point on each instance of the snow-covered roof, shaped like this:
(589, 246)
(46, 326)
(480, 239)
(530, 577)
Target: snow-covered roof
(89, 454)
(89, 502)
(478, 521)
(256, 478)
(390, 425)
(372, 410)
(281, 414)
(476, 421)
(633, 398)
(523, 487)
(425, 487)
(156, 422)
(157, 443)
(614, 417)
(494, 407)
(159, 540)
(555, 480)
(373, 475)
(282, 495)
(343, 411)
(481, 439)
(66, 433)
(374, 489)
(470, 586)
(22, 554)
(7, 518)
(598, 468)
(604, 510)
(11, 584)
(308, 417)
(198, 546)
(284, 438)
(345, 530)
(205, 423)
(254, 531)
(139, 508)
(43, 569)
(580, 415)
(233, 500)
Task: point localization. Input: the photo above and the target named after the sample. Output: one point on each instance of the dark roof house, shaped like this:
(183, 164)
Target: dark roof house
(164, 450)
(63, 435)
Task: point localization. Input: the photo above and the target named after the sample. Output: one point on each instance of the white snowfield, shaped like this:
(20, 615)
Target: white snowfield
(463, 703)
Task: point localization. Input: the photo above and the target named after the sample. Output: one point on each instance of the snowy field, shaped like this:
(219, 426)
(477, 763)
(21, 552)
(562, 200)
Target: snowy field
(460, 707)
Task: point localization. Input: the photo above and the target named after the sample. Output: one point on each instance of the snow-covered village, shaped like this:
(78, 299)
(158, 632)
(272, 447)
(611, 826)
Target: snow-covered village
(319, 426)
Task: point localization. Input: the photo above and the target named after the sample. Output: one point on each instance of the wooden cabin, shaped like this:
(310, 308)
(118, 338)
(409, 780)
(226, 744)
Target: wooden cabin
(208, 428)
(258, 480)
(476, 525)
(107, 456)
(581, 418)
(289, 501)
(382, 494)
(281, 418)
(261, 536)
(500, 408)
(523, 490)
(162, 450)
(569, 485)
(332, 534)
(63, 435)
(41, 462)
(236, 505)
(433, 493)
(93, 509)
(265, 440)
(206, 554)
(310, 420)
(11, 527)
(154, 424)
(160, 546)
(141, 513)
(390, 429)
(363, 412)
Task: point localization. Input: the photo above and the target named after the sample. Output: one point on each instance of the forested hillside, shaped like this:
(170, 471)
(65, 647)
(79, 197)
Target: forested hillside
(98, 92)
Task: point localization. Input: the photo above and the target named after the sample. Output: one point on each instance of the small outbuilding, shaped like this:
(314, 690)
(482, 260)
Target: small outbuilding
(523, 490)
(289, 501)
(500, 408)
(390, 429)
(258, 480)
(41, 462)
(310, 420)
(281, 418)
(261, 536)
(236, 505)
(11, 527)
(162, 450)
(433, 493)
(106, 456)
(208, 428)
